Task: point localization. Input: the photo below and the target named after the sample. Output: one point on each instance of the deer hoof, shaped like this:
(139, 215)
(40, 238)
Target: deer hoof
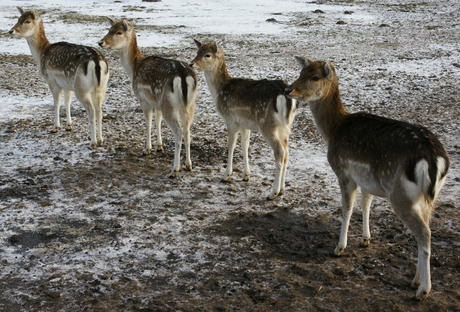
(415, 284)
(272, 196)
(188, 167)
(99, 143)
(173, 174)
(421, 294)
(339, 251)
(246, 178)
(159, 148)
(365, 242)
(55, 130)
(69, 128)
(147, 152)
(226, 179)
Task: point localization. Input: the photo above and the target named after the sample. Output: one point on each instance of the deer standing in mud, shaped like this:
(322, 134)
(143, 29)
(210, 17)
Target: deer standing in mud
(67, 67)
(388, 158)
(167, 86)
(249, 105)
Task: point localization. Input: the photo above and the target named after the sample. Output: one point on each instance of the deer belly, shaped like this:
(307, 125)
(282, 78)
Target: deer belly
(59, 78)
(362, 174)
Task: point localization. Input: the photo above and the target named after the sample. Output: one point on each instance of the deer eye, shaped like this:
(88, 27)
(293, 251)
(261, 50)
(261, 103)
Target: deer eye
(207, 55)
(316, 78)
(119, 33)
(27, 22)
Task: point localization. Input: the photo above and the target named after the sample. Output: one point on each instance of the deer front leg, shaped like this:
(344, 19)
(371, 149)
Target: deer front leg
(245, 136)
(173, 122)
(67, 100)
(232, 135)
(158, 118)
(57, 95)
(366, 200)
(148, 113)
(348, 189)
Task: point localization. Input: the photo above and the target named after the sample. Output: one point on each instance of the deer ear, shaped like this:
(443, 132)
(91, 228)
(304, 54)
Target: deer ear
(328, 70)
(198, 44)
(126, 25)
(214, 47)
(304, 62)
(21, 10)
(36, 16)
(111, 21)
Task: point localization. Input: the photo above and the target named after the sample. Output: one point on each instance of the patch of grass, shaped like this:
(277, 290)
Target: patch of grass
(73, 17)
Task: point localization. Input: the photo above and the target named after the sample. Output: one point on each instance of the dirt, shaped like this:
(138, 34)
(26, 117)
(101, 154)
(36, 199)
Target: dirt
(108, 230)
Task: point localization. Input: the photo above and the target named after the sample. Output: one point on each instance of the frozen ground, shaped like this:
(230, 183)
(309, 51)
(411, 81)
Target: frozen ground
(107, 230)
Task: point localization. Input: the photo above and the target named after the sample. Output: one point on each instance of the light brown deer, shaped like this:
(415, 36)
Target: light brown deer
(249, 105)
(67, 67)
(388, 158)
(167, 86)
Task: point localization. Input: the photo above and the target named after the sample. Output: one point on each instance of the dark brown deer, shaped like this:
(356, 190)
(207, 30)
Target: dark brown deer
(249, 105)
(388, 158)
(67, 67)
(167, 86)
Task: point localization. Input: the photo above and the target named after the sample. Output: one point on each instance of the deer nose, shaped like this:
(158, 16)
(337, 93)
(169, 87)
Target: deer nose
(11, 31)
(191, 64)
(101, 43)
(287, 91)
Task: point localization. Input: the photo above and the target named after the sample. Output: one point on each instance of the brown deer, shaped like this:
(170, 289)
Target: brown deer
(249, 105)
(167, 86)
(384, 157)
(67, 67)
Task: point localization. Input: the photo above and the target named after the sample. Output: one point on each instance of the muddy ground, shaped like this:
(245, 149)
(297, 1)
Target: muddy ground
(108, 230)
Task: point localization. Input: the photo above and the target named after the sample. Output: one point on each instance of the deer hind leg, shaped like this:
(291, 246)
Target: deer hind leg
(158, 118)
(348, 188)
(416, 218)
(245, 136)
(285, 143)
(279, 153)
(98, 109)
(173, 122)
(57, 95)
(231, 143)
(86, 101)
(187, 118)
(366, 200)
(67, 100)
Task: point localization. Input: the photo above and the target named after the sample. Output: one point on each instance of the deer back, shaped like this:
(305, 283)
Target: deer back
(157, 75)
(66, 60)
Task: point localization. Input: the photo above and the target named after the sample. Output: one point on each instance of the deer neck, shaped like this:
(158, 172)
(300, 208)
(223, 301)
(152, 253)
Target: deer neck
(328, 112)
(217, 78)
(38, 43)
(130, 57)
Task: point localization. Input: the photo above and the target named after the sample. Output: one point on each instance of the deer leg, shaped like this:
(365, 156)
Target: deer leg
(67, 100)
(98, 110)
(366, 200)
(286, 159)
(158, 118)
(416, 218)
(148, 113)
(186, 123)
(245, 135)
(232, 135)
(57, 95)
(173, 122)
(348, 188)
(279, 153)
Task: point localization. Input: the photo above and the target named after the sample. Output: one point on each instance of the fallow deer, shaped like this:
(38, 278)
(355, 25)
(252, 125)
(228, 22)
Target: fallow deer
(67, 67)
(167, 86)
(403, 162)
(249, 105)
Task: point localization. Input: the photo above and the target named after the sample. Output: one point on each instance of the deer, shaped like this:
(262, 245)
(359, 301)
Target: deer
(248, 105)
(403, 162)
(67, 68)
(167, 86)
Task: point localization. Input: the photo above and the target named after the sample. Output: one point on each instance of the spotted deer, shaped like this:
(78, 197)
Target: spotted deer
(67, 67)
(249, 105)
(403, 162)
(167, 86)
